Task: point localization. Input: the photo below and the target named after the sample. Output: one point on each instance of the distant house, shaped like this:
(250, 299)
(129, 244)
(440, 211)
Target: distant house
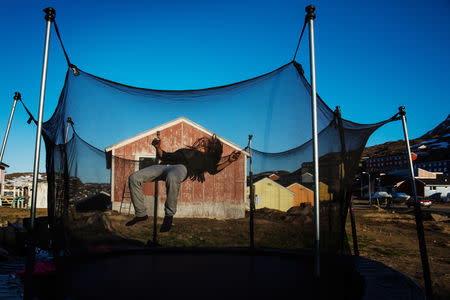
(438, 185)
(3, 166)
(301, 184)
(302, 194)
(427, 183)
(386, 163)
(271, 194)
(406, 187)
(434, 182)
(21, 185)
(324, 193)
(435, 166)
(220, 196)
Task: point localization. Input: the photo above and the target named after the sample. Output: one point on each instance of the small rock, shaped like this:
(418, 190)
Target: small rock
(439, 218)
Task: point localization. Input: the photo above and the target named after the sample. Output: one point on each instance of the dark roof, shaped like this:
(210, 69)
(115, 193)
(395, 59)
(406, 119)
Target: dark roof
(439, 180)
(285, 178)
(3, 165)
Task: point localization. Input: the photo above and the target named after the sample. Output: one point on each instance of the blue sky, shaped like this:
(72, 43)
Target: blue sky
(372, 56)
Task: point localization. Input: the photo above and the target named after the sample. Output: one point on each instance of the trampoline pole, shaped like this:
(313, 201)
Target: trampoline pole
(418, 213)
(29, 268)
(353, 223)
(251, 196)
(155, 204)
(5, 139)
(310, 18)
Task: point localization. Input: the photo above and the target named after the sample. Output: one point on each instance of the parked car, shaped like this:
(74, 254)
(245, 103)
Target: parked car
(381, 195)
(446, 199)
(423, 202)
(400, 197)
(436, 197)
(382, 198)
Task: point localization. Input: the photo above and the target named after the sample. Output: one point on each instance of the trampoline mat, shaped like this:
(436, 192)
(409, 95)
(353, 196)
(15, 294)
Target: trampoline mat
(208, 273)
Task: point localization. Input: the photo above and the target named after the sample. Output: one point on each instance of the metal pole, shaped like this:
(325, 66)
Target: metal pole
(310, 18)
(418, 213)
(5, 139)
(370, 198)
(49, 17)
(353, 223)
(361, 182)
(251, 196)
(155, 204)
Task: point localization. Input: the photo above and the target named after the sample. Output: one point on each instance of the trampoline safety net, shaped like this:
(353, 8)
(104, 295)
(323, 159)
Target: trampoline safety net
(90, 160)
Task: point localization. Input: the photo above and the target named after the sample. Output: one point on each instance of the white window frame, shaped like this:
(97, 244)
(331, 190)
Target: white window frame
(137, 158)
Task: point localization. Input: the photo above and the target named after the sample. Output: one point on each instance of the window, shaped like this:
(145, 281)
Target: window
(146, 161)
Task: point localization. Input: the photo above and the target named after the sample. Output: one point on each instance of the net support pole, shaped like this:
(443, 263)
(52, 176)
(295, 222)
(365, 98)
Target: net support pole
(49, 17)
(310, 19)
(417, 212)
(354, 235)
(155, 204)
(252, 195)
(5, 139)
(343, 193)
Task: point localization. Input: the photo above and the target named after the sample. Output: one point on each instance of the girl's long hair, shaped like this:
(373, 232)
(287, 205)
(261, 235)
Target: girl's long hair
(214, 149)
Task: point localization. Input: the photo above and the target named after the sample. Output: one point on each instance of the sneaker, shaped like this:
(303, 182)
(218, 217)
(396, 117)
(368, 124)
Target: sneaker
(135, 220)
(167, 224)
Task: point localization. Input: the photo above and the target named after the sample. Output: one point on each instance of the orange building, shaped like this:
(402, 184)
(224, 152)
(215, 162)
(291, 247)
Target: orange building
(302, 194)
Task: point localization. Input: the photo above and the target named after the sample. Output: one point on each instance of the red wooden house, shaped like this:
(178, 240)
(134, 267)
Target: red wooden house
(220, 196)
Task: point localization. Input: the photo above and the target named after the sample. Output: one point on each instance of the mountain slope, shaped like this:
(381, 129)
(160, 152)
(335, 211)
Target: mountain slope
(432, 146)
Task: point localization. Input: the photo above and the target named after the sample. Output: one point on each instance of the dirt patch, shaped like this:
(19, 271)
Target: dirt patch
(391, 238)
(16, 215)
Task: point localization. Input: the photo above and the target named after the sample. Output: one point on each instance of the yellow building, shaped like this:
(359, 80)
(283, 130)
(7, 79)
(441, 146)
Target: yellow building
(324, 194)
(272, 195)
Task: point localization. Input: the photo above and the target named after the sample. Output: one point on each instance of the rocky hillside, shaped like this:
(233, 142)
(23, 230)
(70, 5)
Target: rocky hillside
(441, 130)
(433, 145)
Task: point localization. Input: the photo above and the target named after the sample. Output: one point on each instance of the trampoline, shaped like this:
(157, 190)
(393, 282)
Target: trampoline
(297, 139)
(223, 273)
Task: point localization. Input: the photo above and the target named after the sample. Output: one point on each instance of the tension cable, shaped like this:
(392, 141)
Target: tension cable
(73, 67)
(299, 40)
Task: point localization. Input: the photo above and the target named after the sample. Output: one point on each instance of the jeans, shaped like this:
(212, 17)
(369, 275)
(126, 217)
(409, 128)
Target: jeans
(173, 175)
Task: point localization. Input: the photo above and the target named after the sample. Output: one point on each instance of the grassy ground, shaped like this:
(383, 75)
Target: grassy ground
(16, 215)
(391, 238)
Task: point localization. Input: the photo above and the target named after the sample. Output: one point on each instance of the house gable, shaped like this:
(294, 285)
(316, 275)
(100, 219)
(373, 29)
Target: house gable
(168, 125)
(302, 186)
(273, 182)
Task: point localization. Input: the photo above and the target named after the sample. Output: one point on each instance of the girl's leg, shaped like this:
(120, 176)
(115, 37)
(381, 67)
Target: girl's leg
(175, 174)
(136, 180)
